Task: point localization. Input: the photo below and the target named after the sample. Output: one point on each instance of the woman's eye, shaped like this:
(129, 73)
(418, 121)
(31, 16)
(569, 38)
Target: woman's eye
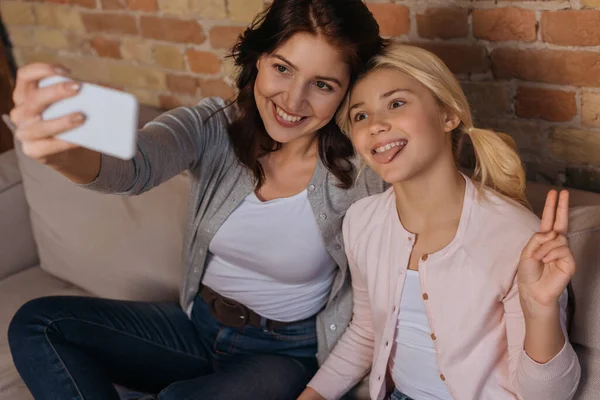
(397, 104)
(324, 86)
(281, 68)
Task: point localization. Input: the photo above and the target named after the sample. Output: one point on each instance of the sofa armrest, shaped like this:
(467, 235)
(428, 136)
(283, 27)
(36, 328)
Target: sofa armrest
(18, 250)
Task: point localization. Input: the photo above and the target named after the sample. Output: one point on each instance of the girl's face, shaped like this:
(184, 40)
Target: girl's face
(397, 126)
(300, 86)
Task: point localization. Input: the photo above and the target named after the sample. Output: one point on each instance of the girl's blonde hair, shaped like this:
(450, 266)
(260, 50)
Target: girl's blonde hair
(498, 165)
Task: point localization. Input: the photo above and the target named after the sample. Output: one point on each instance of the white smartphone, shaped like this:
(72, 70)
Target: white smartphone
(111, 118)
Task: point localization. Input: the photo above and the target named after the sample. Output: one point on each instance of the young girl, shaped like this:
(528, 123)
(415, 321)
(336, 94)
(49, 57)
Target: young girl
(456, 284)
(265, 272)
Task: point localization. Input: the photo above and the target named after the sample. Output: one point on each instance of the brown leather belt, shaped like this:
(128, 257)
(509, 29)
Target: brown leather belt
(236, 315)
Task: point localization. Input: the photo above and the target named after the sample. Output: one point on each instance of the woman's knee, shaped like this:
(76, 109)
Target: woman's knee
(33, 318)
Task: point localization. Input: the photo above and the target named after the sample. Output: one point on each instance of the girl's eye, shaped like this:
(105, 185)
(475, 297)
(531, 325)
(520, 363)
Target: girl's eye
(397, 104)
(281, 68)
(324, 86)
(360, 117)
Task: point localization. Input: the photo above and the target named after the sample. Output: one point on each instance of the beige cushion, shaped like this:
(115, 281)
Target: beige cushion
(112, 246)
(584, 239)
(17, 247)
(536, 195)
(14, 292)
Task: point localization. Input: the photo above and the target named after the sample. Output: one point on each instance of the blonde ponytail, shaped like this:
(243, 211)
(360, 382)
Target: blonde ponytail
(498, 165)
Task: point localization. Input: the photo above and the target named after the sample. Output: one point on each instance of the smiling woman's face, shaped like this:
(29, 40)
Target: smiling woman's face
(300, 86)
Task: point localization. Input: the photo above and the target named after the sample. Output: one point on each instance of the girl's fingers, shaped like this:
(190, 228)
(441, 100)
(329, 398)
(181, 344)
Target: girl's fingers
(549, 212)
(561, 223)
(536, 241)
(547, 247)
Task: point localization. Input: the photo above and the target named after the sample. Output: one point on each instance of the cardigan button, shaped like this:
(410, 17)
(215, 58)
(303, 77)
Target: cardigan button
(425, 296)
(433, 337)
(442, 377)
(424, 257)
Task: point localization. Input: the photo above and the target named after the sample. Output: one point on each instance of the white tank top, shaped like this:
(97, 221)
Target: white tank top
(270, 256)
(413, 361)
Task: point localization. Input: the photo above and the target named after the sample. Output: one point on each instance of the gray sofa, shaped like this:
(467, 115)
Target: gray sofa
(59, 239)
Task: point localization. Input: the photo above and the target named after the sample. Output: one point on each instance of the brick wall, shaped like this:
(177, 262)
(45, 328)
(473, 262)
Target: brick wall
(529, 68)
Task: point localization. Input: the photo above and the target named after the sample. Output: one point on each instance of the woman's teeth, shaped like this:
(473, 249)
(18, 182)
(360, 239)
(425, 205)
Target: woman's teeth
(390, 146)
(285, 116)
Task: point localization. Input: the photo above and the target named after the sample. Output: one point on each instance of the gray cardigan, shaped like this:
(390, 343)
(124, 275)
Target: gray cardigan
(190, 139)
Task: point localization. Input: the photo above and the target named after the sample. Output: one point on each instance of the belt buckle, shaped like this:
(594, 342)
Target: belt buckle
(233, 319)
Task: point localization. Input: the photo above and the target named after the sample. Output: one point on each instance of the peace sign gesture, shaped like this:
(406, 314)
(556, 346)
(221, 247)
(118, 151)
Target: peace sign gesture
(547, 264)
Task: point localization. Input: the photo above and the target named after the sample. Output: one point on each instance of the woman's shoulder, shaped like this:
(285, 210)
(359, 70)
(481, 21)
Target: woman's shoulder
(216, 109)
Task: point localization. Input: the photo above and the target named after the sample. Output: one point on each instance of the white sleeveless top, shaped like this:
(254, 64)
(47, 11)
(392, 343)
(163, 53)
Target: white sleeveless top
(270, 256)
(413, 363)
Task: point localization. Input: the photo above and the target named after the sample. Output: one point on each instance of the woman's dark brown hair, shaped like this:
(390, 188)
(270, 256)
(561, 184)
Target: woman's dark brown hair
(345, 24)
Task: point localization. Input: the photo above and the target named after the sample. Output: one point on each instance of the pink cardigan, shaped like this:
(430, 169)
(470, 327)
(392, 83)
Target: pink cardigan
(471, 297)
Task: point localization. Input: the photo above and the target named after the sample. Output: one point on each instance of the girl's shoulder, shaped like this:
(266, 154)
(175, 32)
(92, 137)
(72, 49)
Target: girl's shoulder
(368, 213)
(507, 212)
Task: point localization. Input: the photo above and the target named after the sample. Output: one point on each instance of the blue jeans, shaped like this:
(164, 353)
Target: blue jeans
(74, 348)
(397, 395)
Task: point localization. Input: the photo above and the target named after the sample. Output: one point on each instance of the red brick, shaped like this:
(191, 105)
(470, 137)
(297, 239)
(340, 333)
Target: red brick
(579, 68)
(143, 5)
(114, 4)
(216, 87)
(444, 23)
(172, 30)
(110, 23)
(81, 3)
(106, 47)
(393, 19)
(203, 62)
(500, 24)
(461, 59)
(224, 37)
(571, 27)
(551, 105)
(182, 84)
(488, 98)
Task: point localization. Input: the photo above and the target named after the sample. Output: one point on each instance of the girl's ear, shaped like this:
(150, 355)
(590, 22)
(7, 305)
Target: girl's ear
(451, 121)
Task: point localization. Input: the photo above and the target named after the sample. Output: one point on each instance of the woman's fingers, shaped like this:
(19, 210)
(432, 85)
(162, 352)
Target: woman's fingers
(39, 100)
(40, 129)
(29, 76)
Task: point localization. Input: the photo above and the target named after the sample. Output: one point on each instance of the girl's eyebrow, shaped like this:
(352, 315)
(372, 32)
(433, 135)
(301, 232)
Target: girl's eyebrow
(383, 96)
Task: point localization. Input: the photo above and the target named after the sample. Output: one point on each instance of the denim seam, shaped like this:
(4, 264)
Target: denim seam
(61, 361)
(127, 334)
(290, 338)
(234, 343)
(215, 344)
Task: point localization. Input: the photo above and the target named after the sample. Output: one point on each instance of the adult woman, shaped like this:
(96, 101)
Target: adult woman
(456, 287)
(266, 172)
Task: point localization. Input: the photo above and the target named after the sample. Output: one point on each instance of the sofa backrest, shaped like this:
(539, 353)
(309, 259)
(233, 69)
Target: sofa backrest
(584, 239)
(112, 246)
